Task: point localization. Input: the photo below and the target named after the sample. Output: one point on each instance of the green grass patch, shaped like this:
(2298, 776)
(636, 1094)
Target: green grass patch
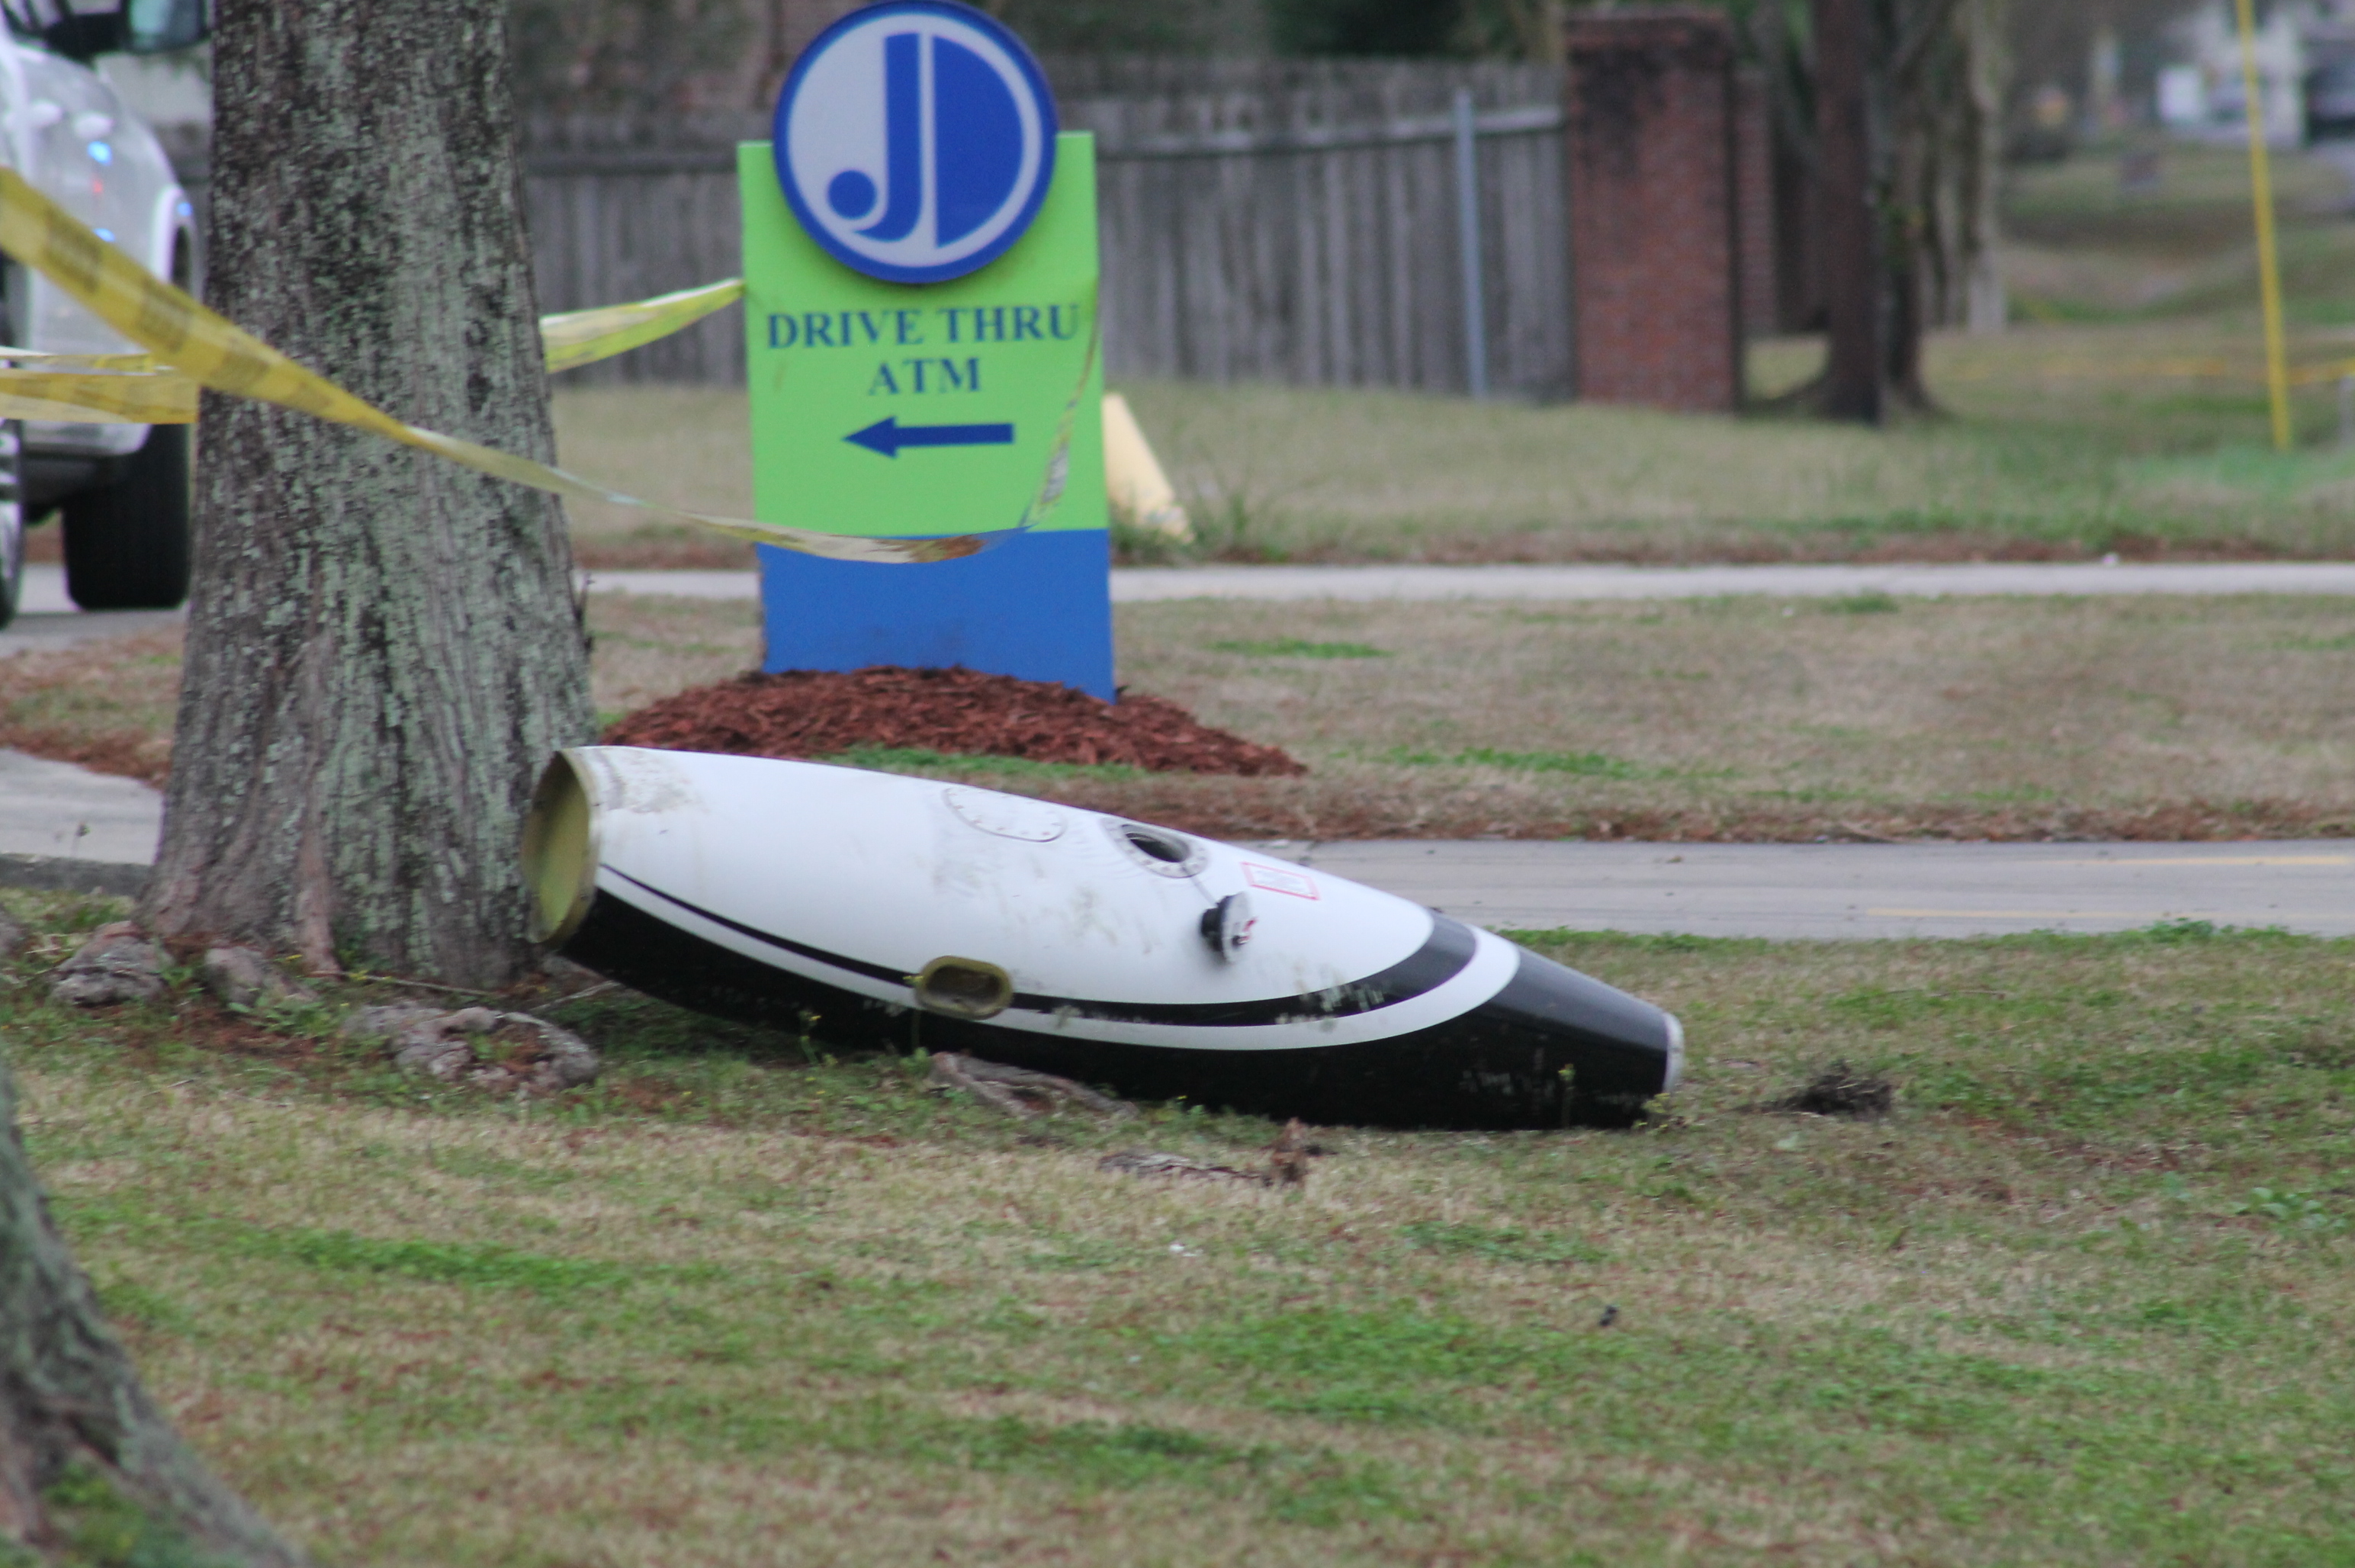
(1578, 764)
(2076, 1301)
(914, 760)
(1498, 1243)
(1298, 648)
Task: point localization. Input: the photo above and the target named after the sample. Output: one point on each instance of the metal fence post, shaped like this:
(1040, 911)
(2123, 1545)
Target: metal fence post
(1468, 232)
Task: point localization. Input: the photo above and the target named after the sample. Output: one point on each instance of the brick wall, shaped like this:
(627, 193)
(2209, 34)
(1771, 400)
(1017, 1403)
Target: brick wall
(1654, 225)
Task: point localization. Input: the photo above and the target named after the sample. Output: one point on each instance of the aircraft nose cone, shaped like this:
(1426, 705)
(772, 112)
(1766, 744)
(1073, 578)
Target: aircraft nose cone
(1616, 1051)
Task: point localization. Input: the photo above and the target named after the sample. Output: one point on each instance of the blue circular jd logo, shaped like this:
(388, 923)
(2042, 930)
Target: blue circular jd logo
(914, 140)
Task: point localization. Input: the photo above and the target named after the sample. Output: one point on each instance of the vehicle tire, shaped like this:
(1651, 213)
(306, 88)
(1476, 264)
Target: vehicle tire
(127, 540)
(12, 518)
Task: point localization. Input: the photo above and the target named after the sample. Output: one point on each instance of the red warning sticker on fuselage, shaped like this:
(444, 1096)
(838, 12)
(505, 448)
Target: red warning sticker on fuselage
(1279, 879)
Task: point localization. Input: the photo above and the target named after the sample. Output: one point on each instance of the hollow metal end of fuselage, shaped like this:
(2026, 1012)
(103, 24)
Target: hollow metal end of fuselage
(560, 850)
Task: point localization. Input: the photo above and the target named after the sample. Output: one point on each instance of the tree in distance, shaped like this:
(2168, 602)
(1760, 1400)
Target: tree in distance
(1894, 111)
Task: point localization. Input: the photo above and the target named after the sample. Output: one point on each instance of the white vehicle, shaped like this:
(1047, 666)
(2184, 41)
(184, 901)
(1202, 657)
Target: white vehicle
(122, 490)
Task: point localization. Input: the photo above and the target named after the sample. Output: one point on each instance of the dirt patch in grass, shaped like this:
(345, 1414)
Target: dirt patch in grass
(1840, 1089)
(824, 713)
(1355, 803)
(660, 549)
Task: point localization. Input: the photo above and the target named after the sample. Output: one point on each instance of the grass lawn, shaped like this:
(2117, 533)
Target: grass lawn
(2125, 412)
(2084, 1298)
(1732, 718)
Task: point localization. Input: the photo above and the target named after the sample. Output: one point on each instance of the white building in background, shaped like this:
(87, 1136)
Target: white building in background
(2203, 96)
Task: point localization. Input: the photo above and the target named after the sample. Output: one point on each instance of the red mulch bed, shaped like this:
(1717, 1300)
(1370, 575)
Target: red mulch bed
(822, 713)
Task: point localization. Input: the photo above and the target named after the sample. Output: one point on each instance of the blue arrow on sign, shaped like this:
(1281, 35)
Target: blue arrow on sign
(888, 436)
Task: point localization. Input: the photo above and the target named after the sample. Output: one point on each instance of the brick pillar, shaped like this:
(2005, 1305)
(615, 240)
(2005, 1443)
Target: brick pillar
(1654, 236)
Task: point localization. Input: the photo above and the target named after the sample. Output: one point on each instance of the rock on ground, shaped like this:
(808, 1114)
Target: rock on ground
(242, 977)
(118, 963)
(479, 1045)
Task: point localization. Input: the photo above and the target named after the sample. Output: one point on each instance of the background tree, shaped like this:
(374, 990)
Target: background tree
(90, 1469)
(1510, 30)
(654, 56)
(1893, 111)
(382, 650)
(588, 55)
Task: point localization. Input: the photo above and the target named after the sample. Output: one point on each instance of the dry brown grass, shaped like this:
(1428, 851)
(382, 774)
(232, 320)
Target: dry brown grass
(105, 705)
(1744, 718)
(2155, 717)
(648, 648)
(686, 446)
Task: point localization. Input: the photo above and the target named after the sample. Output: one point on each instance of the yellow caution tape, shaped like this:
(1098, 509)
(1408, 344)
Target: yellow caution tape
(63, 387)
(208, 350)
(82, 398)
(1050, 494)
(585, 336)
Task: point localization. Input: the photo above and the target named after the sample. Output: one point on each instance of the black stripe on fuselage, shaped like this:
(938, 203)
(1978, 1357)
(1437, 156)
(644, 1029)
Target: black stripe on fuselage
(1553, 1047)
(1440, 959)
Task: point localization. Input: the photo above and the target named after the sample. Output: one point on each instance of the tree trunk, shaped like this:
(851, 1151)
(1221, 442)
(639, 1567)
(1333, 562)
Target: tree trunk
(1989, 308)
(382, 650)
(1856, 365)
(82, 1448)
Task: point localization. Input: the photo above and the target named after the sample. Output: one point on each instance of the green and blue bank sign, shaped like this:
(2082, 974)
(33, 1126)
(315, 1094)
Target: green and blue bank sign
(919, 271)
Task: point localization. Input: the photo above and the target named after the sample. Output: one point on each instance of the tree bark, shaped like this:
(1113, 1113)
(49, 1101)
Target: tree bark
(1987, 308)
(1855, 366)
(78, 1436)
(382, 650)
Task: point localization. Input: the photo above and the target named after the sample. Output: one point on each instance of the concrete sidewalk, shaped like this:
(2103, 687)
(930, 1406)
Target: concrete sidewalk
(47, 618)
(1141, 584)
(57, 810)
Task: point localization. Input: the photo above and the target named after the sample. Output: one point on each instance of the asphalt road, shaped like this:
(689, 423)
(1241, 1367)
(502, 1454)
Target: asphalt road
(53, 810)
(1792, 890)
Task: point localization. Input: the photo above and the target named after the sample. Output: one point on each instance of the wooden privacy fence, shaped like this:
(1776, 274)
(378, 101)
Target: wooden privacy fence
(1303, 221)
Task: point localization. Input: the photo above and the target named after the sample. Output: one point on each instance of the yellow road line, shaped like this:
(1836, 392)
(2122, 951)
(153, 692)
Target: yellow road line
(2026, 914)
(2211, 860)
